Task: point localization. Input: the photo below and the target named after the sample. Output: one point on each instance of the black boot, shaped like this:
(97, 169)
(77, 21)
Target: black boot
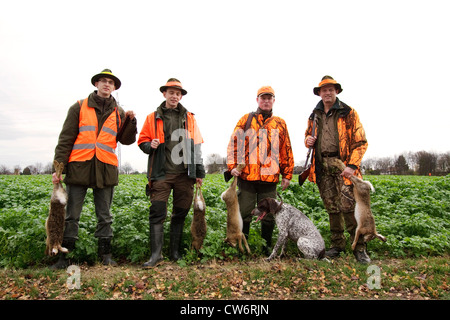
(246, 229)
(176, 232)
(334, 252)
(156, 244)
(104, 252)
(361, 254)
(63, 261)
(266, 234)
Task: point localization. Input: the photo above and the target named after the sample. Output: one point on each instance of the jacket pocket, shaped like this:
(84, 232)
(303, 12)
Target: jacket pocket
(111, 175)
(78, 172)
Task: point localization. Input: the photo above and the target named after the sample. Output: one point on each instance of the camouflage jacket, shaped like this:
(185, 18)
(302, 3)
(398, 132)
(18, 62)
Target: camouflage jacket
(352, 138)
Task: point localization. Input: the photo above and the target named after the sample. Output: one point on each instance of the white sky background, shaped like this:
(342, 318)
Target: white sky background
(391, 58)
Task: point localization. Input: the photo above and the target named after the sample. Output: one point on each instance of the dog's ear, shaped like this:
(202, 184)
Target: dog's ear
(273, 205)
(262, 205)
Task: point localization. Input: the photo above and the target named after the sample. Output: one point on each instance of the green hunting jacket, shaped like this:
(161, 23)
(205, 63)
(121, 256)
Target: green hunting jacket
(92, 173)
(161, 164)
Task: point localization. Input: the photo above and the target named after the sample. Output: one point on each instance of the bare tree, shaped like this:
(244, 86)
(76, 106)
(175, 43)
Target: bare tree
(4, 169)
(215, 163)
(126, 168)
(38, 168)
(48, 168)
(443, 163)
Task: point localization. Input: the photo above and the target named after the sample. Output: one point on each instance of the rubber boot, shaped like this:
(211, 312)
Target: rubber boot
(63, 261)
(176, 232)
(104, 252)
(266, 234)
(156, 244)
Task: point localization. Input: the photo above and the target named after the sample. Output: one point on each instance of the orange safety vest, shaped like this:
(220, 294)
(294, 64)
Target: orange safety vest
(89, 144)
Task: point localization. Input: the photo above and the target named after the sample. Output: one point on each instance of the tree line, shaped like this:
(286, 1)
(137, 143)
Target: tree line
(39, 168)
(421, 163)
(409, 163)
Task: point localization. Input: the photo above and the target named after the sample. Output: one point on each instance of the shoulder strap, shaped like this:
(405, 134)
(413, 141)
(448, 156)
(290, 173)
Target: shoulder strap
(249, 121)
(155, 124)
(118, 120)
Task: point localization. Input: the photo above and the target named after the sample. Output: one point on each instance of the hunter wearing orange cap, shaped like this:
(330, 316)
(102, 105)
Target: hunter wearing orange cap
(172, 139)
(261, 140)
(338, 134)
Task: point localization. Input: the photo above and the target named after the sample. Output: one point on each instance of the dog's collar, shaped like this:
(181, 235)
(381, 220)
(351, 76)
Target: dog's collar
(279, 206)
(281, 203)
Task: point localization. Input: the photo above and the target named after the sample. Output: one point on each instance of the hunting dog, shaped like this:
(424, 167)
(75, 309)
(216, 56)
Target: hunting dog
(54, 224)
(363, 213)
(292, 224)
(234, 218)
(198, 225)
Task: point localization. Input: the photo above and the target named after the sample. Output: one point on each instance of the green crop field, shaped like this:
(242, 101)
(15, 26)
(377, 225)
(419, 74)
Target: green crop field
(413, 212)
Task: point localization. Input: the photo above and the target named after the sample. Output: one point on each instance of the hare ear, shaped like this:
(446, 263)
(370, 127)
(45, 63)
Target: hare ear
(55, 164)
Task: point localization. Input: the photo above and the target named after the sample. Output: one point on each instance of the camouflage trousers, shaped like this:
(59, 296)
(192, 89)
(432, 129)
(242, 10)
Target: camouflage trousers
(339, 202)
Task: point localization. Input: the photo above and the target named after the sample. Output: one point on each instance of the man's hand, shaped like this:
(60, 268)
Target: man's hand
(235, 172)
(348, 172)
(55, 179)
(155, 143)
(310, 141)
(285, 183)
(130, 114)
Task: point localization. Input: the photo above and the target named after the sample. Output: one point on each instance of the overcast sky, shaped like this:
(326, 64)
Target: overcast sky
(391, 58)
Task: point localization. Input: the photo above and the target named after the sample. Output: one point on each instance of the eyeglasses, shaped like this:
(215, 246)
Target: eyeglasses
(267, 97)
(108, 81)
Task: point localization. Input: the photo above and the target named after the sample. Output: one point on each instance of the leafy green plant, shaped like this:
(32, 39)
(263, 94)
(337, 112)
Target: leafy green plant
(412, 212)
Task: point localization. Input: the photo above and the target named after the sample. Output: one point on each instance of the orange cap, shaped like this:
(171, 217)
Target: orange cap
(266, 90)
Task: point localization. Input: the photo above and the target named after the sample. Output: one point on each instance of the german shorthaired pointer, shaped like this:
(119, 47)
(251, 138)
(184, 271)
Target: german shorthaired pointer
(292, 224)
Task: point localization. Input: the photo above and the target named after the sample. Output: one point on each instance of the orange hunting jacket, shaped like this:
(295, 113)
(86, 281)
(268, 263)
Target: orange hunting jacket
(90, 142)
(265, 147)
(352, 139)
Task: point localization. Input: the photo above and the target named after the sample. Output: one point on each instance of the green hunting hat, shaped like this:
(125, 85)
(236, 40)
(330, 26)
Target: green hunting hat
(173, 83)
(327, 80)
(106, 73)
